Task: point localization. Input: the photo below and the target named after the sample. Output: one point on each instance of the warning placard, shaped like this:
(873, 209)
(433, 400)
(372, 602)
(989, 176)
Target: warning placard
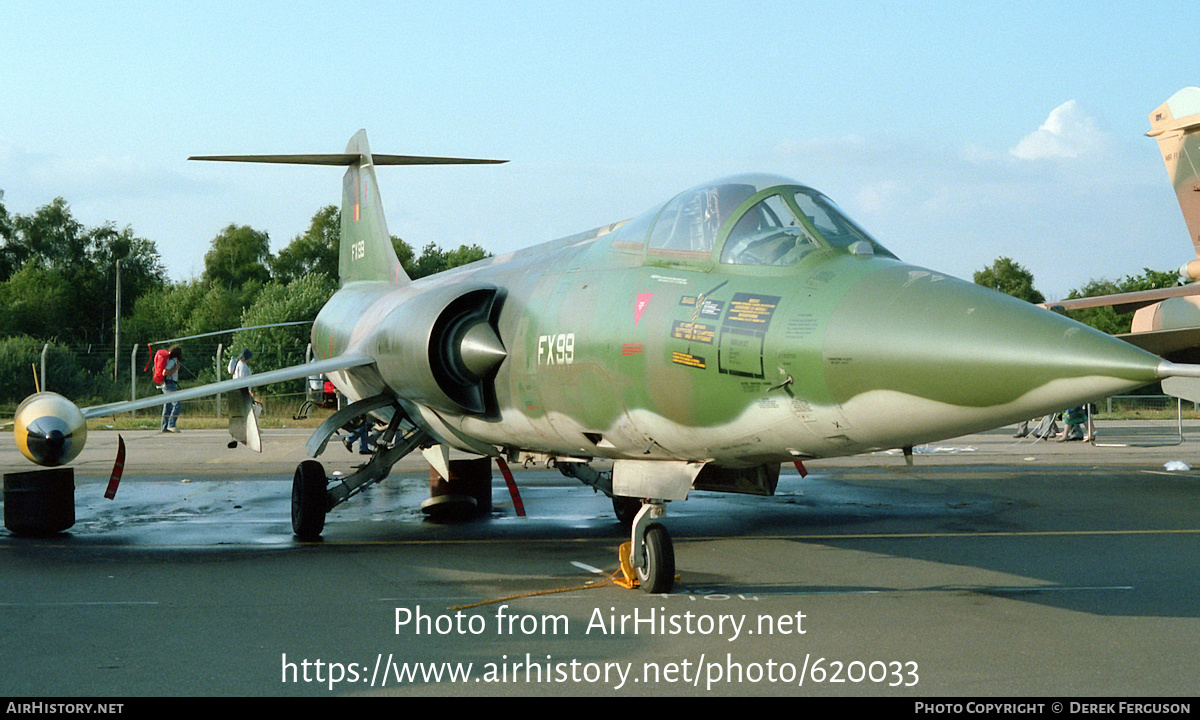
(750, 311)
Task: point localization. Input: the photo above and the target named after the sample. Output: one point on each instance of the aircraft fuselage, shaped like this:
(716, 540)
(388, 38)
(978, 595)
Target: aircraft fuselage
(618, 349)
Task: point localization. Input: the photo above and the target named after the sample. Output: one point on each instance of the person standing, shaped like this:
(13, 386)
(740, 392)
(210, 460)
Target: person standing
(170, 384)
(239, 367)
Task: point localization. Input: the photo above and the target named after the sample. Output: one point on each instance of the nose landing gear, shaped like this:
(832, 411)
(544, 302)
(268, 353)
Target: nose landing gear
(648, 559)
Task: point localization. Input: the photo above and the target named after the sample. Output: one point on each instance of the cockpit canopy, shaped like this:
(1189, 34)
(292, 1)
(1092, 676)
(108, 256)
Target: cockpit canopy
(748, 220)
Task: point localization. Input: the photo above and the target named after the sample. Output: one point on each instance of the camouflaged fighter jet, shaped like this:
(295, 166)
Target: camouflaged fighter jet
(743, 324)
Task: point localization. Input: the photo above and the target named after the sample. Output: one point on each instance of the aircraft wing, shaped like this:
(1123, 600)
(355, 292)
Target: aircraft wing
(1165, 323)
(1125, 302)
(341, 362)
(1164, 342)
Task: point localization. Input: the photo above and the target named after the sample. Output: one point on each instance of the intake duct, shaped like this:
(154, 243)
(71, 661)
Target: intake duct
(465, 349)
(445, 344)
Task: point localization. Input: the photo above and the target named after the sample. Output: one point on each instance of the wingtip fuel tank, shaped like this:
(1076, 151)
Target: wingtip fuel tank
(49, 429)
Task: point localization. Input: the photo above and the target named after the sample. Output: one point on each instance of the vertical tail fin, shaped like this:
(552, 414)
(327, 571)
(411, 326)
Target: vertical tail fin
(1176, 126)
(366, 251)
(366, 247)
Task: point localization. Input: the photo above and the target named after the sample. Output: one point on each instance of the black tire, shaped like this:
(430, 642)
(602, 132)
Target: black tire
(626, 509)
(310, 501)
(657, 576)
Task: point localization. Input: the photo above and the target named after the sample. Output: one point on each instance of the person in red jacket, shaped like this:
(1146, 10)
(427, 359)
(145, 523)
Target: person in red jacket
(170, 413)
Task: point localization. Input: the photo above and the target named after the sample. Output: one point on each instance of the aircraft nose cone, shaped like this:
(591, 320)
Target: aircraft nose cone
(48, 439)
(918, 349)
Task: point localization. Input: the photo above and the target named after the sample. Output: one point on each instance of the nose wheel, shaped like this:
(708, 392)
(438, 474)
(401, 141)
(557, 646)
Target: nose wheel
(648, 559)
(657, 574)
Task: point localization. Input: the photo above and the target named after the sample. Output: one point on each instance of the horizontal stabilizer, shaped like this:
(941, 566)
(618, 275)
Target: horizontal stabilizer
(365, 251)
(1187, 388)
(346, 159)
(1164, 342)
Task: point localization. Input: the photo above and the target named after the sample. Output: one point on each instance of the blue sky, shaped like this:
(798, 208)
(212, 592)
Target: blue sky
(955, 133)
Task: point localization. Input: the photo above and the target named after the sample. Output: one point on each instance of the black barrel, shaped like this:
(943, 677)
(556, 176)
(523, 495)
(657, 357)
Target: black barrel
(39, 502)
(466, 494)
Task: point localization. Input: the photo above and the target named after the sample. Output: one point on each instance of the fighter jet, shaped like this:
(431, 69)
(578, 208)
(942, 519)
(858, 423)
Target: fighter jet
(743, 324)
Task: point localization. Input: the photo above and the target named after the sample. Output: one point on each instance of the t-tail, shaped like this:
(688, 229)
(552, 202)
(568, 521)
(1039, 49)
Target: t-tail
(1176, 126)
(366, 253)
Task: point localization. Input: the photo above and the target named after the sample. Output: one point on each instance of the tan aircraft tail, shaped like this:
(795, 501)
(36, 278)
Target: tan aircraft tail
(1176, 126)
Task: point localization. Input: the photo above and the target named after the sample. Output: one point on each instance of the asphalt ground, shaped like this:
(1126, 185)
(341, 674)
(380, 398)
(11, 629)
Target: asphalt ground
(991, 567)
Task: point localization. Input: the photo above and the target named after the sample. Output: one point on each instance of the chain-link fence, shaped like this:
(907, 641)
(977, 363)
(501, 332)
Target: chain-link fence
(1142, 420)
(85, 374)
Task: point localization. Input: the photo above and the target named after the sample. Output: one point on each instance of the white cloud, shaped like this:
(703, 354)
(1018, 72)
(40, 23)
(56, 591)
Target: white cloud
(1068, 133)
(1105, 206)
(880, 196)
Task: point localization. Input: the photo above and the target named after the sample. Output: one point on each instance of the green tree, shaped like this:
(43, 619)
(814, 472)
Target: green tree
(434, 259)
(465, 255)
(1010, 278)
(1107, 319)
(94, 282)
(404, 253)
(221, 307)
(35, 302)
(239, 255)
(313, 251)
(51, 235)
(431, 261)
(278, 347)
(6, 237)
(164, 313)
(142, 268)
(19, 355)
(59, 278)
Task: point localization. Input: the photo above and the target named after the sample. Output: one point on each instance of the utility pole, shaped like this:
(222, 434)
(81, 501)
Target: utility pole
(117, 326)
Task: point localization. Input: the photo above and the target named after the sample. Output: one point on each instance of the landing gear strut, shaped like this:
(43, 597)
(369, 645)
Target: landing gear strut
(649, 557)
(312, 495)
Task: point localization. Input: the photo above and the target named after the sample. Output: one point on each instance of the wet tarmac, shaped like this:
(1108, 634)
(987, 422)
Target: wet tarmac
(991, 567)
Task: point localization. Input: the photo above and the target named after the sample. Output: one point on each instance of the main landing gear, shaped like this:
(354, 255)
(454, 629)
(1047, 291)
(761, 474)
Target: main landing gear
(647, 560)
(312, 495)
(310, 500)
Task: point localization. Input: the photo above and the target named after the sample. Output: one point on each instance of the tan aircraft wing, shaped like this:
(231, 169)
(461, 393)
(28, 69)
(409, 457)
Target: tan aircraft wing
(1164, 342)
(1124, 302)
